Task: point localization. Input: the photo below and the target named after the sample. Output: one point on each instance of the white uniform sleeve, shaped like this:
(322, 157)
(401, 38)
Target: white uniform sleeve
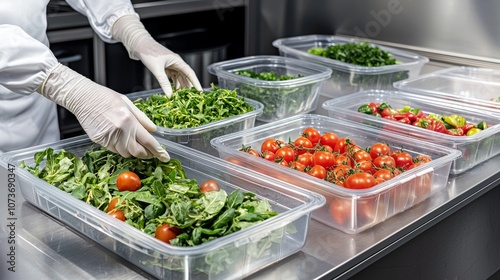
(103, 14)
(24, 61)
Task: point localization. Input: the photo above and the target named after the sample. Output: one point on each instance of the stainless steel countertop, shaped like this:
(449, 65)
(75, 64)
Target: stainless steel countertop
(47, 249)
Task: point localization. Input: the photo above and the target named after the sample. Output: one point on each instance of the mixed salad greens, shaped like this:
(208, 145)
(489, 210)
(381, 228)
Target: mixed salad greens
(189, 107)
(166, 196)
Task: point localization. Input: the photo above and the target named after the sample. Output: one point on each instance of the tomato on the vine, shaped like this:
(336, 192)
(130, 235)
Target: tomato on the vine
(286, 153)
(325, 159)
(312, 134)
(306, 159)
(343, 144)
(362, 155)
(379, 149)
(384, 174)
(339, 173)
(271, 145)
(128, 181)
(365, 166)
(165, 232)
(302, 145)
(384, 162)
(268, 155)
(402, 159)
(422, 158)
(318, 171)
(343, 159)
(329, 139)
(361, 180)
(297, 166)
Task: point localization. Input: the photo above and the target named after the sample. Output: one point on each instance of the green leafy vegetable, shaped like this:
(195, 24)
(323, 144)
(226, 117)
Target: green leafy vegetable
(189, 108)
(166, 194)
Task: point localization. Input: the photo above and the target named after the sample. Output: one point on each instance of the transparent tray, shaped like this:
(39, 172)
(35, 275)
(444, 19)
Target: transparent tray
(233, 256)
(199, 137)
(348, 78)
(281, 99)
(348, 210)
(475, 149)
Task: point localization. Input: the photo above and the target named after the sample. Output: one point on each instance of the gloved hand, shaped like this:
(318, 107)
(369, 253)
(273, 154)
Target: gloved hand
(109, 118)
(162, 62)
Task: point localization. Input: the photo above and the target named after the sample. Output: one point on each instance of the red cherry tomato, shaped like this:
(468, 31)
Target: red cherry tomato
(402, 159)
(318, 171)
(329, 139)
(312, 134)
(302, 145)
(306, 159)
(286, 153)
(384, 162)
(128, 181)
(360, 180)
(379, 149)
(165, 232)
(325, 159)
(271, 145)
(112, 204)
(209, 186)
(117, 213)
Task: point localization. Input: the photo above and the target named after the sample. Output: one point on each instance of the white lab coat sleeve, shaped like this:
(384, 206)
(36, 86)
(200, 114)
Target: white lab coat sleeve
(103, 14)
(24, 61)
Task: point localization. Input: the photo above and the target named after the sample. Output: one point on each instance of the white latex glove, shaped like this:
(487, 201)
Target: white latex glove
(109, 118)
(162, 62)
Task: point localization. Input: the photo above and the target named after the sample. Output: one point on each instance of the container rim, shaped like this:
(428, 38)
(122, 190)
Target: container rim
(338, 65)
(220, 69)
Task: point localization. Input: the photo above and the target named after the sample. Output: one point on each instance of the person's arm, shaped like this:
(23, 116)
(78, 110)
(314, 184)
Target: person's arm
(109, 118)
(117, 21)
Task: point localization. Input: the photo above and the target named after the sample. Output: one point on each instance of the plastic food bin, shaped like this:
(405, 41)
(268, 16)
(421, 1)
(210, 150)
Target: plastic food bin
(234, 256)
(281, 99)
(348, 78)
(475, 149)
(348, 210)
(470, 85)
(199, 137)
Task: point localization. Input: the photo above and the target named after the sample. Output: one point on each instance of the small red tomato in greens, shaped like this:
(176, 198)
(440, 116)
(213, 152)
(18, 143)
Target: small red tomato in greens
(128, 181)
(165, 232)
(209, 186)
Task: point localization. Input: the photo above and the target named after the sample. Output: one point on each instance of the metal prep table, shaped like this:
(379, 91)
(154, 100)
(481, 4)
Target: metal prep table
(452, 235)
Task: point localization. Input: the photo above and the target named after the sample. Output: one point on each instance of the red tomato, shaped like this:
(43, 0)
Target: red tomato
(329, 139)
(117, 213)
(343, 160)
(402, 159)
(312, 134)
(286, 153)
(268, 155)
(271, 145)
(340, 172)
(325, 159)
(297, 166)
(343, 145)
(209, 186)
(318, 171)
(303, 144)
(325, 148)
(360, 180)
(362, 155)
(365, 166)
(384, 162)
(379, 149)
(112, 204)
(128, 181)
(422, 158)
(384, 174)
(306, 159)
(165, 232)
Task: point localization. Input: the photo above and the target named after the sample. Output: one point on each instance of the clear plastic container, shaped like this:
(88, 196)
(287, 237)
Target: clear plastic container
(348, 78)
(470, 85)
(348, 210)
(281, 99)
(233, 256)
(475, 149)
(199, 137)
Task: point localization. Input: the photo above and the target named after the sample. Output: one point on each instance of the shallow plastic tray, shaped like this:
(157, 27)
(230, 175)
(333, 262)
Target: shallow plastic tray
(281, 99)
(230, 257)
(348, 78)
(470, 85)
(475, 149)
(199, 137)
(348, 210)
